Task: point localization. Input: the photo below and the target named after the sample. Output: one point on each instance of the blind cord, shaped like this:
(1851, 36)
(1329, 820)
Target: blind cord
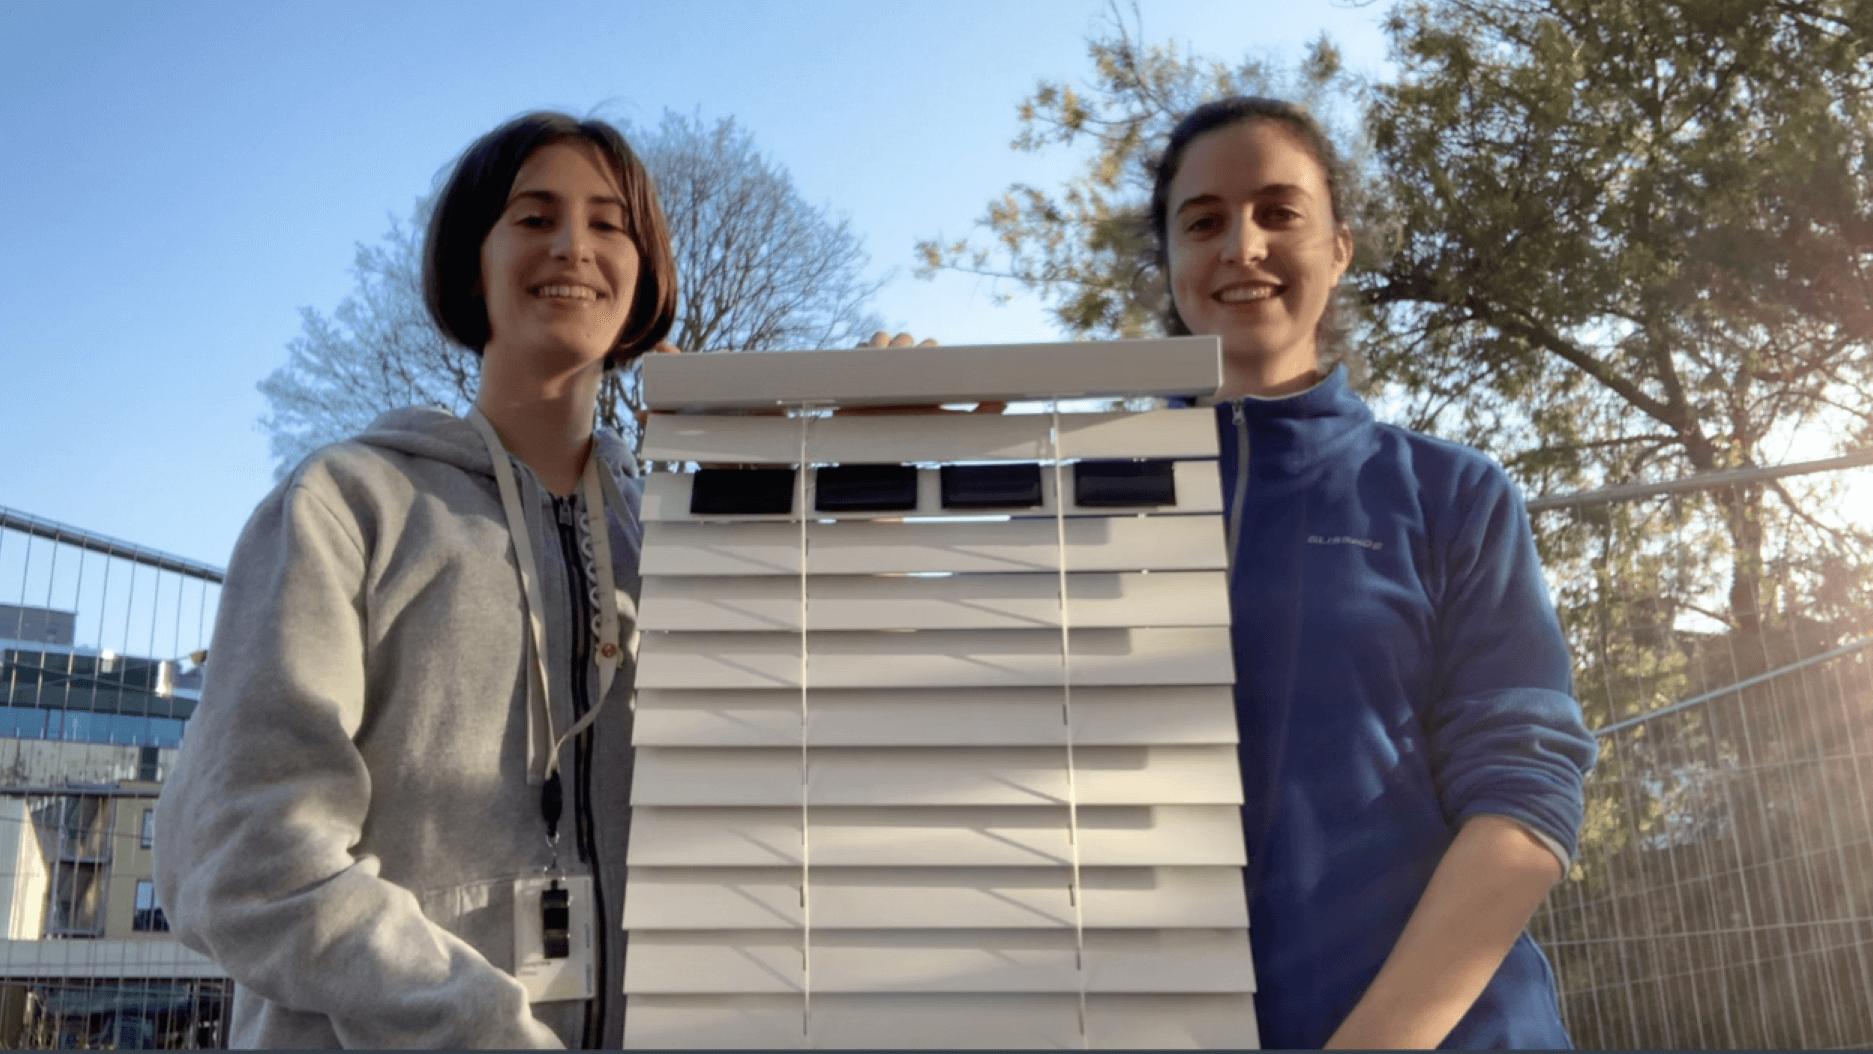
(1074, 892)
(806, 850)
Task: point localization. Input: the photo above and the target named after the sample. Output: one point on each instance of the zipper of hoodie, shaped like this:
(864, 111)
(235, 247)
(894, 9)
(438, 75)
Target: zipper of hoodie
(579, 599)
(1234, 524)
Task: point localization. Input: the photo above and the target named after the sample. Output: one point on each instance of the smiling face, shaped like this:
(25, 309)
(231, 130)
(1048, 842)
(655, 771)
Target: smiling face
(1254, 251)
(559, 267)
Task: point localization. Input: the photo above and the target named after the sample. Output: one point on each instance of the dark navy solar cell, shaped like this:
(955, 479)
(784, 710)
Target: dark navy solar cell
(991, 486)
(741, 491)
(1117, 484)
(866, 488)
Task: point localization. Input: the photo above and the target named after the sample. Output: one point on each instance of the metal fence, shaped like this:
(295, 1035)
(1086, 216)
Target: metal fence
(1723, 893)
(101, 650)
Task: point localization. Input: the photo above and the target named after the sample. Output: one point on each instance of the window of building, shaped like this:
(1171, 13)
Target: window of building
(149, 917)
(77, 899)
(85, 828)
(149, 828)
(77, 726)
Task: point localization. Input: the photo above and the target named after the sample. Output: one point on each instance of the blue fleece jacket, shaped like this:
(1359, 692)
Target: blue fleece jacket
(1399, 669)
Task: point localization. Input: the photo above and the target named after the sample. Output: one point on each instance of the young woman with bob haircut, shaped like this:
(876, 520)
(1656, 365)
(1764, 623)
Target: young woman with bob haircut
(416, 718)
(1412, 755)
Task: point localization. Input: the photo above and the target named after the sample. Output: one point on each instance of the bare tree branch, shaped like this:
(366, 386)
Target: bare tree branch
(759, 269)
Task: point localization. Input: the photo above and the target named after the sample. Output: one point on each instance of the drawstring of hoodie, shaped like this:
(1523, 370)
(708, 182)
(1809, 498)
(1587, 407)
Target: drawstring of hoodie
(543, 744)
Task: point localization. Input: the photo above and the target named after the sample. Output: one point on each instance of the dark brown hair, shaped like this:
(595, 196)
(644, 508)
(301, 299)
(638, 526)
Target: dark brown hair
(1222, 113)
(476, 195)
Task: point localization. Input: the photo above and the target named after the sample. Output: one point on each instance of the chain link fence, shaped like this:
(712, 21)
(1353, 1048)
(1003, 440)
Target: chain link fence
(1723, 893)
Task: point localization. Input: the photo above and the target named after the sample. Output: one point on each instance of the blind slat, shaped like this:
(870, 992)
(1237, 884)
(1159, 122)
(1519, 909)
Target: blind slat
(863, 961)
(859, 547)
(936, 658)
(863, 717)
(1002, 601)
(1001, 1021)
(870, 898)
(940, 836)
(953, 374)
(1153, 775)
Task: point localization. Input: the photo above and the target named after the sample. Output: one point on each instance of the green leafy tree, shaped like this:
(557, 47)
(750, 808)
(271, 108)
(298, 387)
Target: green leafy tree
(1635, 239)
(1087, 246)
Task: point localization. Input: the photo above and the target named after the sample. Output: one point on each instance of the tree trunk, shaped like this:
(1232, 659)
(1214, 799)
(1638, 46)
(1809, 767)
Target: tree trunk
(1742, 508)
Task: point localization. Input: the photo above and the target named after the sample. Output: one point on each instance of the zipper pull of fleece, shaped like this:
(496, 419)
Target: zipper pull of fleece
(1233, 524)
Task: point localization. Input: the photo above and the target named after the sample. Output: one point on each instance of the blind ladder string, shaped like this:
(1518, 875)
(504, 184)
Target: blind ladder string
(806, 852)
(1074, 892)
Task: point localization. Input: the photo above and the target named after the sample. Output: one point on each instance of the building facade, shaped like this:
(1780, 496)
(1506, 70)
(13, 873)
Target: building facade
(88, 730)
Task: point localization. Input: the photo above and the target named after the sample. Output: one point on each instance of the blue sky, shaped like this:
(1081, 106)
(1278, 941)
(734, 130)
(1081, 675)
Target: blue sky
(184, 177)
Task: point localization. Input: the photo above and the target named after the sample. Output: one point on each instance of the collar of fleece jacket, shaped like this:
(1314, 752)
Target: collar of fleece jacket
(1292, 433)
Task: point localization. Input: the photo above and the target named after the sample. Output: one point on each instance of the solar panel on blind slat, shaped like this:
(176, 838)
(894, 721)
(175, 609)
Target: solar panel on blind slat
(918, 731)
(934, 898)
(1102, 715)
(932, 437)
(943, 1022)
(667, 497)
(939, 836)
(995, 601)
(1130, 543)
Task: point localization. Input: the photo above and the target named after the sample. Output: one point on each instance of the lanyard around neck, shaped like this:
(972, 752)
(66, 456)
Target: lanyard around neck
(542, 745)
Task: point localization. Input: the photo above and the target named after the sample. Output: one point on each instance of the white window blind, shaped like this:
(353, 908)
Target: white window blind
(917, 769)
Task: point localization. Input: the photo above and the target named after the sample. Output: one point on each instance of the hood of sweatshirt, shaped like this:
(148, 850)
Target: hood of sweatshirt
(437, 434)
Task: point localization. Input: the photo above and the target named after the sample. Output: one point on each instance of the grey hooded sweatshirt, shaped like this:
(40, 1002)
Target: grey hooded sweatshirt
(346, 820)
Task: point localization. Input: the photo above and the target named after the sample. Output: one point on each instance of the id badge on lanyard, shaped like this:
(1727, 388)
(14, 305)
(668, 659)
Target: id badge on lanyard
(553, 937)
